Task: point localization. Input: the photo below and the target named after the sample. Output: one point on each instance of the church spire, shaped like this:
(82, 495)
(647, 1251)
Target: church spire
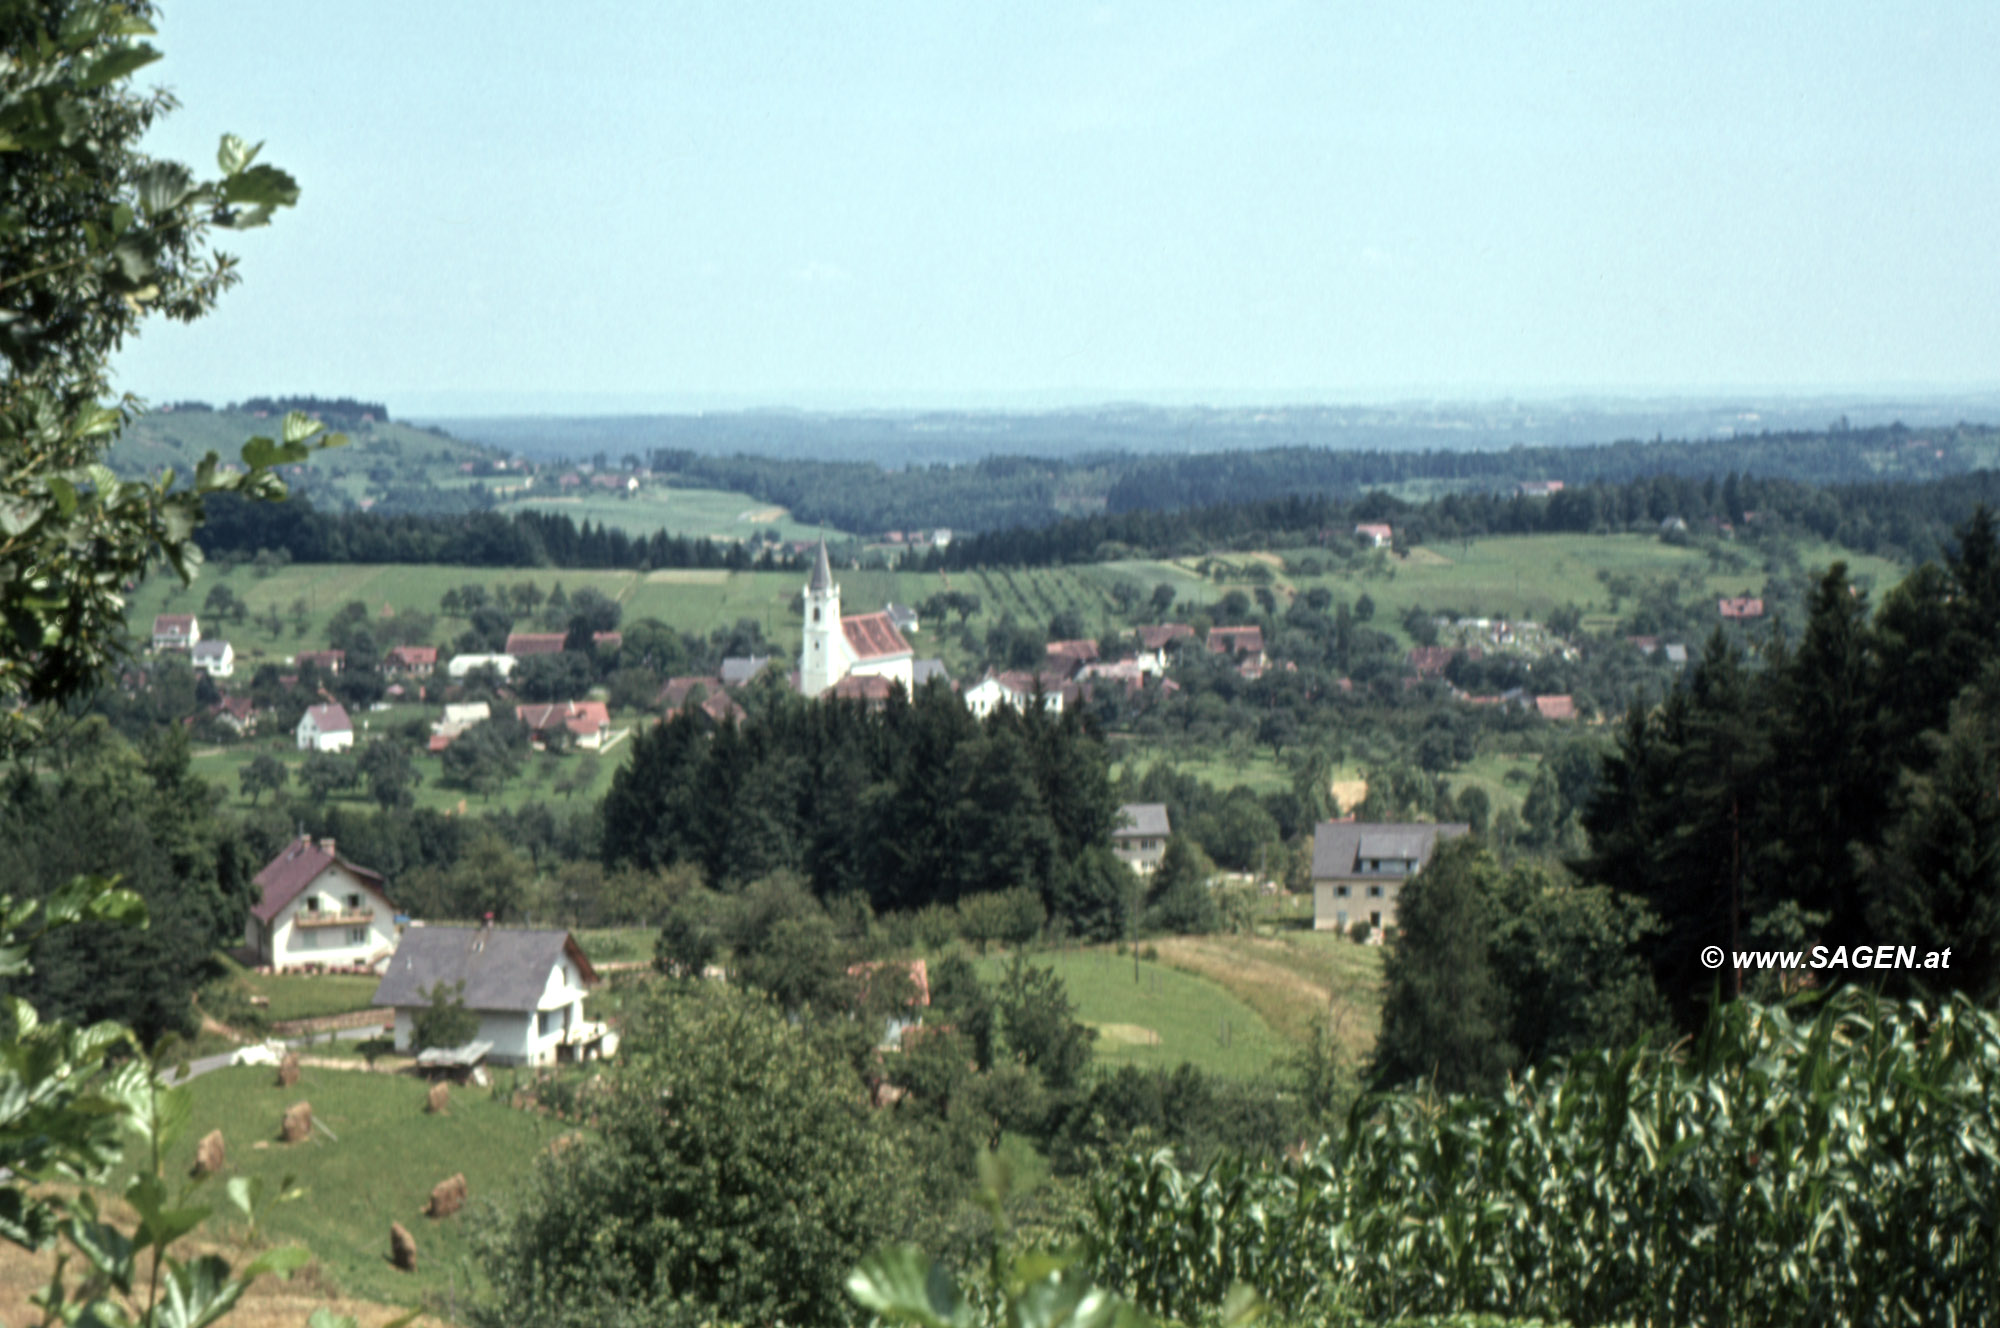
(822, 575)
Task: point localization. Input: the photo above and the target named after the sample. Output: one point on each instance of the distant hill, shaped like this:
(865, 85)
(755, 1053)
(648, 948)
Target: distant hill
(387, 466)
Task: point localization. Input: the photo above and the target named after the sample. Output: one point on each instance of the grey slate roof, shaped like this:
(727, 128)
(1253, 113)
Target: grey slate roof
(502, 968)
(1142, 820)
(923, 670)
(739, 669)
(1339, 846)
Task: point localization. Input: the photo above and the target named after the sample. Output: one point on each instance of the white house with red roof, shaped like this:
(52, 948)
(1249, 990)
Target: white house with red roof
(586, 722)
(176, 631)
(861, 645)
(317, 908)
(325, 728)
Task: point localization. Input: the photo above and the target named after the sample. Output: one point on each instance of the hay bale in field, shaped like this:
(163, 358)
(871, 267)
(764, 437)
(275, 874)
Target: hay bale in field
(298, 1126)
(209, 1155)
(447, 1197)
(438, 1098)
(288, 1070)
(402, 1248)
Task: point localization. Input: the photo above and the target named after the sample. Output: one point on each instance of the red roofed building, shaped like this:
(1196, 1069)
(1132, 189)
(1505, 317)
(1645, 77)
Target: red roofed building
(861, 645)
(326, 661)
(1071, 656)
(411, 661)
(317, 909)
(1431, 661)
(176, 631)
(1238, 642)
(587, 722)
(1741, 608)
(1374, 535)
(1556, 707)
(522, 644)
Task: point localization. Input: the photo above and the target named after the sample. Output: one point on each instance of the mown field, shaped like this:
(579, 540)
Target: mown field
(380, 1168)
(717, 514)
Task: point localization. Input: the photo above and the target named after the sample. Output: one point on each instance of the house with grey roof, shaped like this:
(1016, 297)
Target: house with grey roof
(317, 909)
(1139, 838)
(1359, 868)
(526, 986)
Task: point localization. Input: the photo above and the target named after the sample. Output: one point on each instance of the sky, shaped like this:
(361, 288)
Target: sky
(524, 206)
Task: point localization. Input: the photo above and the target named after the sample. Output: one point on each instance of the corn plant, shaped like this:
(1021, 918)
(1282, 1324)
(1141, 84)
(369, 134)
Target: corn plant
(1825, 1164)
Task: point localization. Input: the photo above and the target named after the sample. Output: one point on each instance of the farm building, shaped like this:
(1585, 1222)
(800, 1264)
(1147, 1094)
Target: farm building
(1358, 869)
(325, 728)
(527, 987)
(215, 658)
(318, 909)
(176, 631)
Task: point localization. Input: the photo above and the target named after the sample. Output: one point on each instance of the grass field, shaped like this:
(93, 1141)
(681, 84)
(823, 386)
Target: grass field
(1294, 979)
(1166, 1017)
(309, 996)
(388, 1155)
(716, 514)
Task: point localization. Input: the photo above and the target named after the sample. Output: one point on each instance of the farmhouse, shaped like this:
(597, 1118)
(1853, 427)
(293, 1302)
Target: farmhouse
(326, 661)
(586, 722)
(1358, 869)
(860, 645)
(1375, 535)
(1741, 608)
(176, 631)
(215, 658)
(317, 908)
(461, 665)
(1140, 839)
(325, 728)
(527, 987)
(1240, 642)
(410, 661)
(522, 644)
(1154, 642)
(1017, 691)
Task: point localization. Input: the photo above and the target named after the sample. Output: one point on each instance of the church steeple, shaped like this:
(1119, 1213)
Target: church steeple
(822, 659)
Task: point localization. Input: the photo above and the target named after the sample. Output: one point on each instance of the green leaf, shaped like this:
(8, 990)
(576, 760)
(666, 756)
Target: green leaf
(282, 1261)
(905, 1285)
(235, 155)
(162, 187)
(72, 900)
(114, 65)
(300, 427)
(197, 1293)
(263, 453)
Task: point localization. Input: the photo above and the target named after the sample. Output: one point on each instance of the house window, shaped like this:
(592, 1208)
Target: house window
(815, 613)
(1374, 919)
(354, 901)
(357, 936)
(305, 938)
(1374, 892)
(547, 1021)
(1340, 890)
(312, 903)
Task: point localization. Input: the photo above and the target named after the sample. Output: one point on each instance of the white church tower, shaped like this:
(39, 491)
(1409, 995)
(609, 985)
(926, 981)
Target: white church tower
(822, 661)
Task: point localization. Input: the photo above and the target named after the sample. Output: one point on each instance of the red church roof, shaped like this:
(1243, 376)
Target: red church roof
(873, 636)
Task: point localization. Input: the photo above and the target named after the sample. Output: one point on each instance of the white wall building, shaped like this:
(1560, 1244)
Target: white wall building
(215, 658)
(319, 908)
(527, 987)
(325, 728)
(862, 645)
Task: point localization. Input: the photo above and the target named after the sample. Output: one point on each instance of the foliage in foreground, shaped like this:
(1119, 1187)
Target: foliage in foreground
(1836, 1168)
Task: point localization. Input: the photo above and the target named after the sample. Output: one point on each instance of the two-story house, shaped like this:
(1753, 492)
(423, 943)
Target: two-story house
(527, 987)
(317, 908)
(1140, 837)
(1359, 867)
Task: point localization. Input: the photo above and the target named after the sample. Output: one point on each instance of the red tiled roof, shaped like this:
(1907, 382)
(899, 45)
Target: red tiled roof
(332, 660)
(173, 624)
(720, 705)
(609, 640)
(411, 657)
(297, 866)
(1556, 707)
(1745, 607)
(675, 694)
(919, 970)
(579, 717)
(1084, 651)
(873, 636)
(1153, 638)
(863, 687)
(242, 707)
(1239, 640)
(1430, 661)
(330, 718)
(534, 643)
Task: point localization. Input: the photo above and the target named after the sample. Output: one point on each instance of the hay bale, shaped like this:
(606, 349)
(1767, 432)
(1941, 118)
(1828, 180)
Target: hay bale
(298, 1126)
(438, 1098)
(447, 1197)
(209, 1156)
(402, 1248)
(288, 1070)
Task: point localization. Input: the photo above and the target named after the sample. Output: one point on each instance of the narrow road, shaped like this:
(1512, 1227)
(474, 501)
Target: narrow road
(202, 1065)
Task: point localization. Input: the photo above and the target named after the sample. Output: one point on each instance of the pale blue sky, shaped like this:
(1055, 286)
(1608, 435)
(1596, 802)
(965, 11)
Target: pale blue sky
(536, 205)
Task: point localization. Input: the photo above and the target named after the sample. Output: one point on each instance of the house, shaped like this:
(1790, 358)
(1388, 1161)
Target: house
(1538, 488)
(898, 1024)
(1154, 642)
(1375, 535)
(1070, 657)
(740, 669)
(215, 658)
(1238, 642)
(1017, 690)
(923, 670)
(176, 631)
(836, 647)
(325, 728)
(1556, 707)
(1358, 869)
(522, 644)
(461, 665)
(1741, 608)
(586, 722)
(527, 987)
(457, 719)
(411, 661)
(238, 714)
(1431, 661)
(318, 909)
(903, 616)
(326, 661)
(674, 694)
(869, 688)
(607, 641)
(1140, 838)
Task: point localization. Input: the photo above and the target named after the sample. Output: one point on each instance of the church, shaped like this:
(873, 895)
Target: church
(862, 645)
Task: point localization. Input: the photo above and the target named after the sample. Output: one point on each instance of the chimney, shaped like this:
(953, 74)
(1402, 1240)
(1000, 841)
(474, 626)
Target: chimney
(327, 844)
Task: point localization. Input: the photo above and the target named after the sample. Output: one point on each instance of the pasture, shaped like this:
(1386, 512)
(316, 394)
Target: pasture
(716, 514)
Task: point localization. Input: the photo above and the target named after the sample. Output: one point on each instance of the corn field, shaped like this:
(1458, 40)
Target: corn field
(1794, 1165)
